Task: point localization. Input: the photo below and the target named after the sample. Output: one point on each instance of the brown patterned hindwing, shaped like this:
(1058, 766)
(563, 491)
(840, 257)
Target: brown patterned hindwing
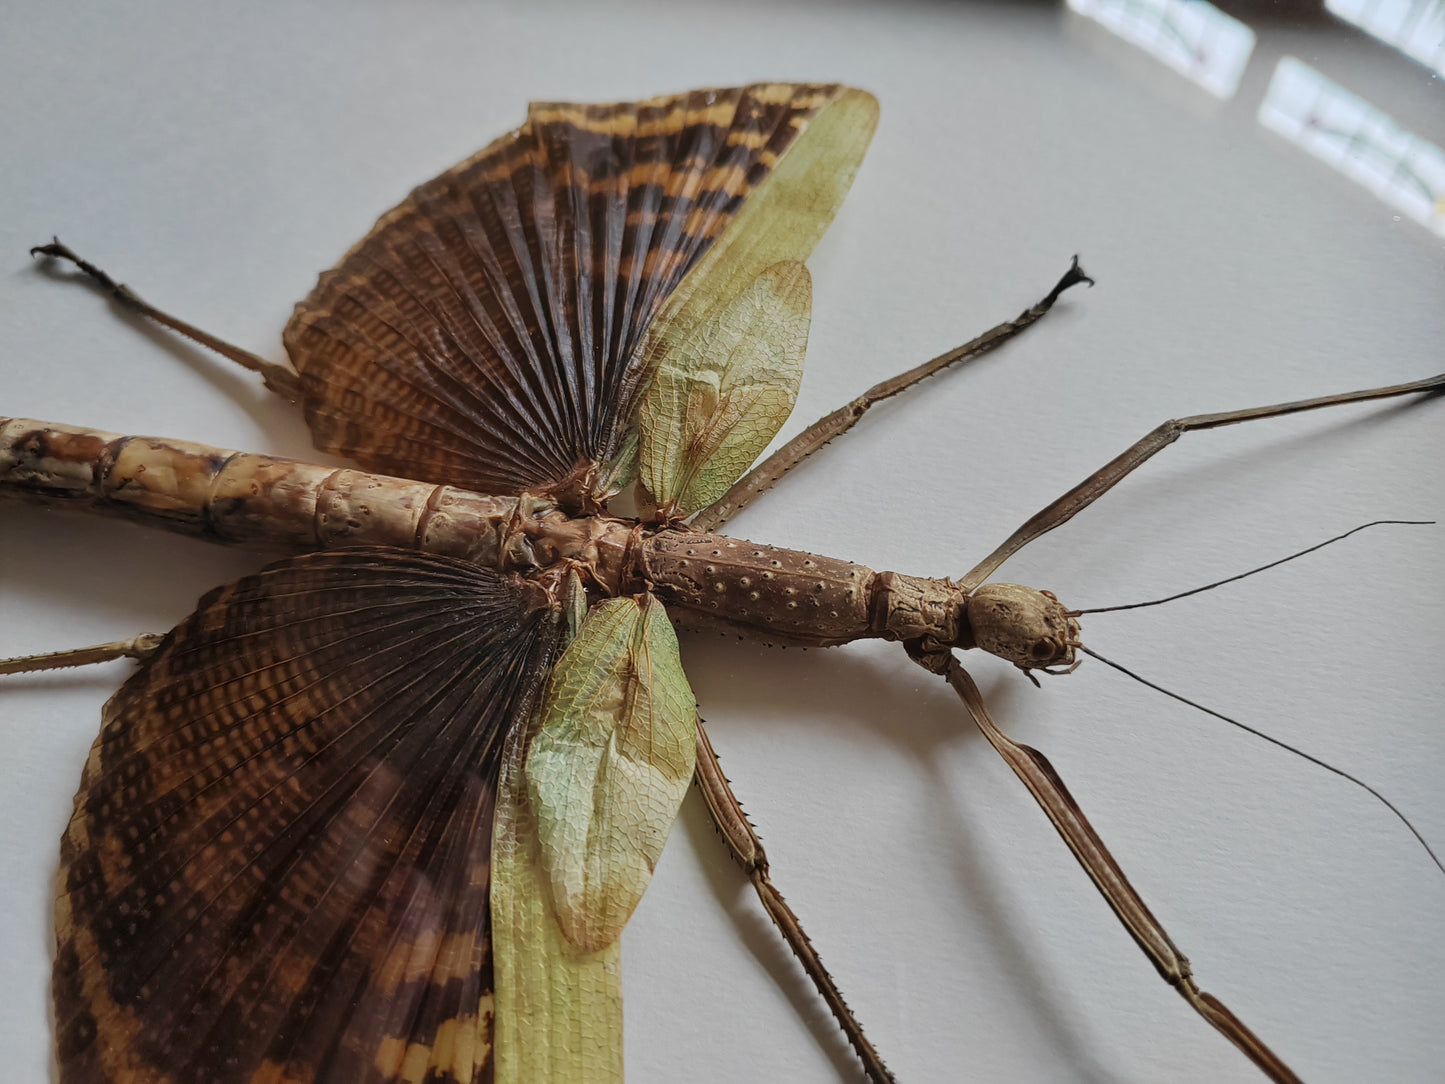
(278, 865)
(483, 333)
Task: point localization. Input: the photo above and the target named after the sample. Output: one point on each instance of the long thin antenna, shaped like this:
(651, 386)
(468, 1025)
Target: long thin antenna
(1274, 741)
(1261, 568)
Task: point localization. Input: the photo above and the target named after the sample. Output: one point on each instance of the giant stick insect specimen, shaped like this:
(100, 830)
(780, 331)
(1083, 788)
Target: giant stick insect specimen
(381, 811)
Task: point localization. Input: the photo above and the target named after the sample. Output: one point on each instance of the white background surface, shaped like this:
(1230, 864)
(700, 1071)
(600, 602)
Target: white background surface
(217, 161)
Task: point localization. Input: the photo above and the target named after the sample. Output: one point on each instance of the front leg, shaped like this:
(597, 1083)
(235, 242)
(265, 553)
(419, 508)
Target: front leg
(1156, 440)
(1053, 797)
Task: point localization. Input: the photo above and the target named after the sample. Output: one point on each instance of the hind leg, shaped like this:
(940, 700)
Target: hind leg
(278, 378)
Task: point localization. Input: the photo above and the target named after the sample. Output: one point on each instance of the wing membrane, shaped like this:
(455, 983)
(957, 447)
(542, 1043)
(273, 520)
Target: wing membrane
(559, 1007)
(610, 764)
(722, 390)
(726, 353)
(484, 334)
(278, 865)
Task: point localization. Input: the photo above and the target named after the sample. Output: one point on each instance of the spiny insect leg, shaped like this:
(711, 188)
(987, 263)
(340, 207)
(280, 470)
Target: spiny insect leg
(737, 831)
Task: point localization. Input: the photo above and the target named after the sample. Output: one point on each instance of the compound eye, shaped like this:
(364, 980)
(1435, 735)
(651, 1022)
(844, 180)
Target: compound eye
(1044, 650)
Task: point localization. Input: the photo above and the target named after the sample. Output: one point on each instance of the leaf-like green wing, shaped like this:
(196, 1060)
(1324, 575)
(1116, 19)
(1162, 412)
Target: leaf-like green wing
(720, 394)
(610, 765)
(738, 284)
(559, 1007)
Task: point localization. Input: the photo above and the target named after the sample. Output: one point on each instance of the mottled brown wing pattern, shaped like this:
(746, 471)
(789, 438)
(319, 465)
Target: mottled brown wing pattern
(483, 333)
(278, 866)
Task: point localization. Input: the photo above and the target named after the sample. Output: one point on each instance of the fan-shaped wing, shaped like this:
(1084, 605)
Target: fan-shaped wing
(484, 334)
(278, 865)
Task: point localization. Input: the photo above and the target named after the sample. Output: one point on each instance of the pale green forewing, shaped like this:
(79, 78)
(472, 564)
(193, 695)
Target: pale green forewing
(558, 1007)
(610, 764)
(723, 388)
(780, 223)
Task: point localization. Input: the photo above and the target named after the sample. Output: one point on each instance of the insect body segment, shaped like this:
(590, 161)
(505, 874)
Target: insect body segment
(245, 499)
(277, 504)
(1029, 628)
(728, 583)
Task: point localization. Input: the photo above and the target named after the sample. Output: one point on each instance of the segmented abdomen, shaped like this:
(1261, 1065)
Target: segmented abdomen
(238, 497)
